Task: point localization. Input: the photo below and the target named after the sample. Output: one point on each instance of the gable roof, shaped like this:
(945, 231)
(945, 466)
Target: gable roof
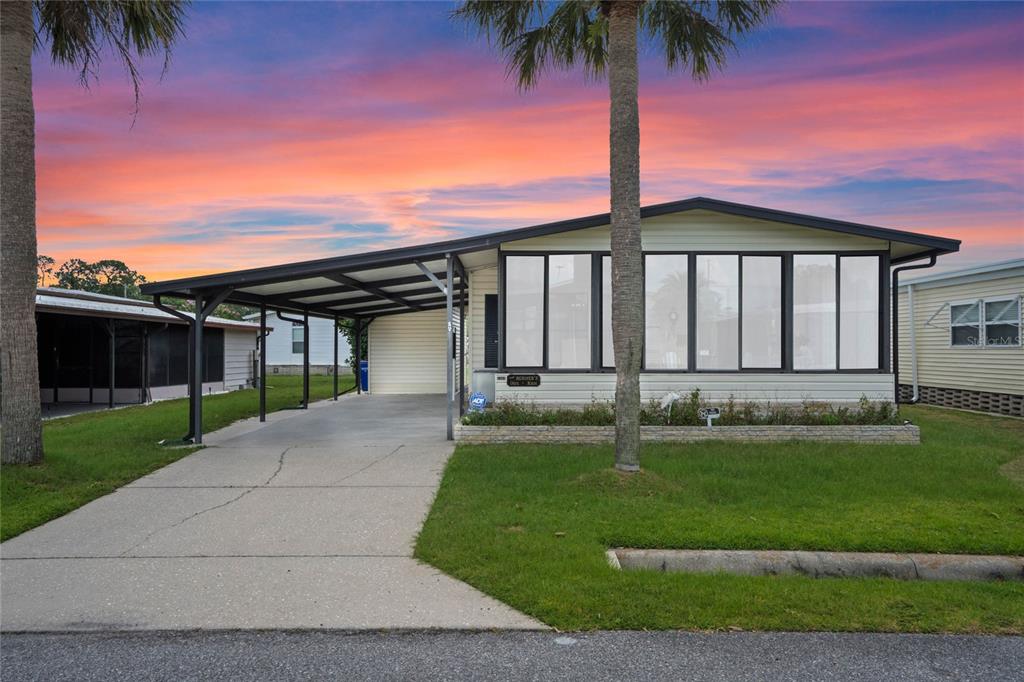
(376, 270)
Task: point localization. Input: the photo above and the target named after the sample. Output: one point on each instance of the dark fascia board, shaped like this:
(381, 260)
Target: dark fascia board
(406, 255)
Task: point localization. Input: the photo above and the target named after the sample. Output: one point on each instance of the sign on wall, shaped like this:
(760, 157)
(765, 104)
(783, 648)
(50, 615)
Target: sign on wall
(523, 380)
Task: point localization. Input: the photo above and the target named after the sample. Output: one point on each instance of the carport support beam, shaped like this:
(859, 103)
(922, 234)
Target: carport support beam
(305, 360)
(335, 329)
(263, 362)
(449, 357)
(358, 354)
(196, 397)
(112, 334)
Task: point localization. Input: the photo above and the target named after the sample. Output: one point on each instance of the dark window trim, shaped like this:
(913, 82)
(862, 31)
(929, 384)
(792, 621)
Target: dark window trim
(597, 337)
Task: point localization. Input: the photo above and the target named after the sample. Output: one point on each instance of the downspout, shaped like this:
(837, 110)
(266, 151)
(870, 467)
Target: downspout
(913, 342)
(896, 321)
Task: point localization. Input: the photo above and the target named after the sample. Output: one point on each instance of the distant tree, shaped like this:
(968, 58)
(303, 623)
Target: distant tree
(76, 33)
(115, 278)
(44, 269)
(348, 328)
(76, 273)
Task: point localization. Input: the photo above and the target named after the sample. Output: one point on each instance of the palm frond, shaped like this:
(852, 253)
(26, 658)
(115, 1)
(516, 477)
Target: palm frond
(699, 34)
(78, 32)
(536, 36)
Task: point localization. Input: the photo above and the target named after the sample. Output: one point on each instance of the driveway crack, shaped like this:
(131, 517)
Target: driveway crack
(236, 498)
(373, 463)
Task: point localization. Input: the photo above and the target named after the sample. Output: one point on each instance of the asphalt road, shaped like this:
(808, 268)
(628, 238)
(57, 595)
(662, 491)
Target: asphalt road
(508, 656)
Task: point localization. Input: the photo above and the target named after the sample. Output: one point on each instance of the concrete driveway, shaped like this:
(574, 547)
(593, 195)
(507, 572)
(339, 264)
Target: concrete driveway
(307, 521)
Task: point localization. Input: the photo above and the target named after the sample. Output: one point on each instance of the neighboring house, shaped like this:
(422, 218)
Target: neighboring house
(964, 346)
(150, 350)
(285, 343)
(741, 301)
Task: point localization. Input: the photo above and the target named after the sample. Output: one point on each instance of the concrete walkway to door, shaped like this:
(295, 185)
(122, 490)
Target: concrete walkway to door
(307, 521)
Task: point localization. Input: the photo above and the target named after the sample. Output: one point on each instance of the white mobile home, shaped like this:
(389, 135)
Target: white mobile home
(286, 344)
(741, 301)
(960, 341)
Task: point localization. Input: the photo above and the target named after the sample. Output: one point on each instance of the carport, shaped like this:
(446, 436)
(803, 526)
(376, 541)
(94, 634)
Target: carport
(360, 288)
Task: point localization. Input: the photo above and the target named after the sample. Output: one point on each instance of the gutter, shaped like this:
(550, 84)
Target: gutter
(896, 329)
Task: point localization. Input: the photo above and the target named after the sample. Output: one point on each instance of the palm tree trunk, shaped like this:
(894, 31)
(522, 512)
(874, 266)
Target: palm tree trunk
(627, 254)
(19, 363)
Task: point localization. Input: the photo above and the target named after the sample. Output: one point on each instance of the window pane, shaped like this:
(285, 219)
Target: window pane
(524, 311)
(1002, 311)
(814, 312)
(718, 293)
(569, 311)
(967, 313)
(665, 283)
(966, 335)
(1002, 335)
(607, 349)
(762, 312)
(858, 312)
(965, 324)
(298, 338)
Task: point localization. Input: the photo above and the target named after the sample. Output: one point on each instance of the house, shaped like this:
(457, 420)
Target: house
(82, 336)
(960, 340)
(742, 301)
(285, 345)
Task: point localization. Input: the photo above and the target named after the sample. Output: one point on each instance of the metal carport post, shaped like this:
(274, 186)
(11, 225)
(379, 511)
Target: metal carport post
(263, 362)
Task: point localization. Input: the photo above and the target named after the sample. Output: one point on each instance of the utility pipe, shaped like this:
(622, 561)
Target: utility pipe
(896, 321)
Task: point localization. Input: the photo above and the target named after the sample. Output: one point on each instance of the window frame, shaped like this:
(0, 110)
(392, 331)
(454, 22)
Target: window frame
(596, 271)
(301, 342)
(983, 322)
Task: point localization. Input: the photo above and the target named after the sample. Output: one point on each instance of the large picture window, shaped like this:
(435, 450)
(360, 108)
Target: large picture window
(814, 312)
(569, 285)
(858, 312)
(524, 311)
(718, 321)
(607, 346)
(762, 312)
(665, 314)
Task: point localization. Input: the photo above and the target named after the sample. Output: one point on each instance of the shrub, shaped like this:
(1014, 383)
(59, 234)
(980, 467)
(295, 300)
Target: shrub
(684, 412)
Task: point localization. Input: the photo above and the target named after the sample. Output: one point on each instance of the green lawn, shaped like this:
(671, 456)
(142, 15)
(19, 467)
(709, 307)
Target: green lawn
(530, 525)
(91, 454)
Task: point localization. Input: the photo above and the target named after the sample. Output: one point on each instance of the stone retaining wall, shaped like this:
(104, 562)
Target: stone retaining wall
(606, 434)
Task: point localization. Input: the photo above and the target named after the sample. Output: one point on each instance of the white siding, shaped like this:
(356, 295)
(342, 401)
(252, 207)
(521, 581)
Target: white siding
(239, 345)
(407, 352)
(321, 345)
(481, 282)
(782, 388)
(998, 370)
(706, 231)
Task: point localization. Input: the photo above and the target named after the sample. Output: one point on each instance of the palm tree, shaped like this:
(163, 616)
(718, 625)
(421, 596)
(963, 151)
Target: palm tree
(77, 33)
(601, 36)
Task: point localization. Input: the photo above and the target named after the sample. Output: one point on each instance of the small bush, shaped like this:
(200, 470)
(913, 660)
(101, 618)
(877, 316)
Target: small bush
(685, 412)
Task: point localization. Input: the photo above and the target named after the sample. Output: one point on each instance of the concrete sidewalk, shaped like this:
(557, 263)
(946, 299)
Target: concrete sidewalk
(307, 521)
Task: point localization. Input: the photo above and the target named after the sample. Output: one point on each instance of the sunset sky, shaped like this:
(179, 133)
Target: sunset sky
(285, 132)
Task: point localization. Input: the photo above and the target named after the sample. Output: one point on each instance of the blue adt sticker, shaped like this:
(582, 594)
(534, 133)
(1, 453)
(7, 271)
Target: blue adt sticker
(477, 402)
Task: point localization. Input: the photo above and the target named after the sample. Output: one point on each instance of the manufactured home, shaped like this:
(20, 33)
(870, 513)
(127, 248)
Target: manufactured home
(286, 344)
(960, 340)
(100, 349)
(742, 301)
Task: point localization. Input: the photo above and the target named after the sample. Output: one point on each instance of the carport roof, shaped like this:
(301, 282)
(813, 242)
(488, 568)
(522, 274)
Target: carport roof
(396, 280)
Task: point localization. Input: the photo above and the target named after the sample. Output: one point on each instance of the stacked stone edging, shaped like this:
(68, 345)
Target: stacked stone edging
(851, 433)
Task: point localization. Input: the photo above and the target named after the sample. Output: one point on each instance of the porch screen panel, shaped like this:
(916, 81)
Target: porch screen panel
(858, 312)
(665, 314)
(569, 287)
(524, 311)
(814, 312)
(718, 302)
(762, 312)
(607, 347)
